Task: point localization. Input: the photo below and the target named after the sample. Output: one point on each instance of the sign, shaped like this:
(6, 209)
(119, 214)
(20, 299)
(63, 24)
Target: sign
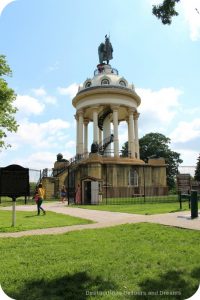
(184, 183)
(14, 181)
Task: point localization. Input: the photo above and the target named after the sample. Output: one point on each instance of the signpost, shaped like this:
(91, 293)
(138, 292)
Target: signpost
(184, 187)
(14, 183)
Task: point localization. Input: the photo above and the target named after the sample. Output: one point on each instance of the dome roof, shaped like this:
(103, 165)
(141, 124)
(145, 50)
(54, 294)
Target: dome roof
(105, 75)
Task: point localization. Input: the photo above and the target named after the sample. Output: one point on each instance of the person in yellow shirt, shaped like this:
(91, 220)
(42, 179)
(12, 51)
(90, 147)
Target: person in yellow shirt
(40, 193)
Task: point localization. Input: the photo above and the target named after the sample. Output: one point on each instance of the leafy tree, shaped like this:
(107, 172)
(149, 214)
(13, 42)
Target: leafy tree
(154, 145)
(7, 110)
(165, 11)
(197, 170)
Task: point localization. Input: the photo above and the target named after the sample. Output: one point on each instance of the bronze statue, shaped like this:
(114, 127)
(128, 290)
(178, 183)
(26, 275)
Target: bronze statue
(105, 51)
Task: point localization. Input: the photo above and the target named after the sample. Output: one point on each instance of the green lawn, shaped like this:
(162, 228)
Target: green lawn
(122, 262)
(143, 209)
(6, 201)
(138, 200)
(30, 220)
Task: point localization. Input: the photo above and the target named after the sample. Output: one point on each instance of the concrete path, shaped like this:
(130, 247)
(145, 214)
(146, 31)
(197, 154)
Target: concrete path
(103, 219)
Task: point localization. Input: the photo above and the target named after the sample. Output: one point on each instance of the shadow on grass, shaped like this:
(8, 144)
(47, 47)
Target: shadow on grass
(196, 273)
(31, 216)
(178, 210)
(170, 285)
(77, 287)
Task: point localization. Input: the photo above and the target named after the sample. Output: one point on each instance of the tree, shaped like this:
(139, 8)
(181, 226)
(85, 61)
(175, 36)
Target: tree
(7, 110)
(154, 145)
(197, 170)
(165, 11)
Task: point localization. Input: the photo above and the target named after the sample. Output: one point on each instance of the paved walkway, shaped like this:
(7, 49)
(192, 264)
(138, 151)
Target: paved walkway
(103, 219)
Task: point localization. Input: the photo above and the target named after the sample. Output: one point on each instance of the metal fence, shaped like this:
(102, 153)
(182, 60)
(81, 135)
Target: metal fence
(113, 188)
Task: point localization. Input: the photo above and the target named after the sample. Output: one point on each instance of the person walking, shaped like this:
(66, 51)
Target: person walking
(40, 193)
(78, 194)
(63, 194)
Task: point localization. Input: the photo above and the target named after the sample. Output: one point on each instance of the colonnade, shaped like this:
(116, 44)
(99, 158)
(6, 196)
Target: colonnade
(82, 131)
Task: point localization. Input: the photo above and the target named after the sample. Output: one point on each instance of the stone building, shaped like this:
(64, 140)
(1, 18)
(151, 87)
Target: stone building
(104, 101)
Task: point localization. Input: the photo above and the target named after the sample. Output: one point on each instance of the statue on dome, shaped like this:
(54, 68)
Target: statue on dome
(105, 51)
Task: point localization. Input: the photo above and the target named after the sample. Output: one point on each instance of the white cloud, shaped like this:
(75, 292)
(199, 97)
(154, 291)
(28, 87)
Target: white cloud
(123, 134)
(39, 92)
(158, 107)
(186, 131)
(70, 144)
(189, 157)
(28, 105)
(70, 91)
(42, 93)
(3, 4)
(38, 160)
(39, 135)
(50, 99)
(192, 17)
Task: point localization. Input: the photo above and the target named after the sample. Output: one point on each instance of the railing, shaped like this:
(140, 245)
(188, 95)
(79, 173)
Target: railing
(102, 117)
(79, 157)
(47, 173)
(105, 143)
(102, 71)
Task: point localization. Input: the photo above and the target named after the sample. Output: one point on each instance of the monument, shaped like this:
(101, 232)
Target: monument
(103, 102)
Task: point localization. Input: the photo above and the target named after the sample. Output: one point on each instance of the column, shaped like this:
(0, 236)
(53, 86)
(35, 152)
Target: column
(129, 146)
(106, 135)
(86, 121)
(115, 124)
(77, 134)
(95, 126)
(80, 131)
(136, 116)
(100, 136)
(131, 133)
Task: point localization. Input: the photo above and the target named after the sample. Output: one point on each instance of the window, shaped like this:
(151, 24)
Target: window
(122, 82)
(88, 84)
(105, 82)
(133, 177)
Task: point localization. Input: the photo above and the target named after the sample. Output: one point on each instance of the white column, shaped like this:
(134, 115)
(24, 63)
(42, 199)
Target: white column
(129, 145)
(86, 121)
(115, 124)
(80, 131)
(106, 135)
(77, 134)
(95, 126)
(136, 116)
(131, 131)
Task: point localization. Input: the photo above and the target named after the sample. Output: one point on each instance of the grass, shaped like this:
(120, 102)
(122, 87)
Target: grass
(143, 209)
(122, 262)
(6, 201)
(30, 220)
(138, 200)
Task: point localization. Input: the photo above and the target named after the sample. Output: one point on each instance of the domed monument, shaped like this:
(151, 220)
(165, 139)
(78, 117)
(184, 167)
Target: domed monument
(105, 100)
(99, 168)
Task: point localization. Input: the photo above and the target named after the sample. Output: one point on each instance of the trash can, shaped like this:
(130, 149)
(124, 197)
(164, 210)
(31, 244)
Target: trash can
(194, 205)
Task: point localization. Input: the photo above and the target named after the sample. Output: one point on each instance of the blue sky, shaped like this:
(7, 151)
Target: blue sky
(51, 46)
